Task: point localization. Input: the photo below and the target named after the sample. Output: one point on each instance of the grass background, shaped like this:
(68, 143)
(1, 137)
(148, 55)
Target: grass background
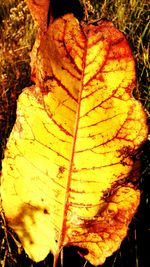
(17, 35)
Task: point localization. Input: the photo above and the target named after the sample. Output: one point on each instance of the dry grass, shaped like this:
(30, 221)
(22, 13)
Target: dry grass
(16, 31)
(17, 36)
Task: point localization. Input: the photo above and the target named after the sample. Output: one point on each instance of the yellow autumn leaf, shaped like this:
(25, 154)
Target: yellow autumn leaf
(69, 166)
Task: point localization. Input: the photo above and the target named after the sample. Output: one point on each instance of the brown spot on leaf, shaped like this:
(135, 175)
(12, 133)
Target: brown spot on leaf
(45, 211)
(61, 169)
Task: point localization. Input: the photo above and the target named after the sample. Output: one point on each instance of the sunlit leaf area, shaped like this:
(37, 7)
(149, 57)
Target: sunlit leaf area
(17, 35)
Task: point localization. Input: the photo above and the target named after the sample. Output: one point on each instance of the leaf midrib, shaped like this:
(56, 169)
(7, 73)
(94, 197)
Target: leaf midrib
(66, 199)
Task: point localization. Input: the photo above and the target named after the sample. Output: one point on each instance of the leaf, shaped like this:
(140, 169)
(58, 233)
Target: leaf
(70, 159)
(39, 10)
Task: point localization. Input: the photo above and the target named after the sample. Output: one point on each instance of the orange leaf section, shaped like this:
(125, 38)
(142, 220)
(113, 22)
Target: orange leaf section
(69, 164)
(39, 10)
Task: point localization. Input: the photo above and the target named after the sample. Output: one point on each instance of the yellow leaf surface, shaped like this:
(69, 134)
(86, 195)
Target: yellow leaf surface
(69, 166)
